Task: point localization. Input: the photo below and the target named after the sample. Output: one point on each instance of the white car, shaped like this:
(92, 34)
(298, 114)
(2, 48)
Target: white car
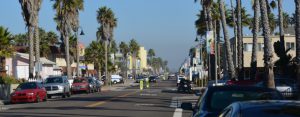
(179, 77)
(116, 79)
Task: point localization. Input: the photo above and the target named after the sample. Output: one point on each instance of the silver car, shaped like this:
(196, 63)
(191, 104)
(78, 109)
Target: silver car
(57, 86)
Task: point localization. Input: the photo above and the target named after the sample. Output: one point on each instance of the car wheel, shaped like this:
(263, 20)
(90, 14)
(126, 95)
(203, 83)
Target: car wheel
(38, 99)
(69, 94)
(45, 98)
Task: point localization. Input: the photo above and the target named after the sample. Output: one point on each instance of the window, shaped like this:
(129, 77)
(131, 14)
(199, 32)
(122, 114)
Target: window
(290, 45)
(247, 47)
(260, 47)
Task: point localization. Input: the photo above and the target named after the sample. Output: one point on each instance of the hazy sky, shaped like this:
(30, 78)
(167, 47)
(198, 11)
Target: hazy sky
(167, 26)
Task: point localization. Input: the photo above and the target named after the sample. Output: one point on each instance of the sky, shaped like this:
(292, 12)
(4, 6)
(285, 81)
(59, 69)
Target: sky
(167, 26)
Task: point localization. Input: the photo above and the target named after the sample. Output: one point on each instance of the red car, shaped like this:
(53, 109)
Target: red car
(29, 92)
(258, 78)
(80, 85)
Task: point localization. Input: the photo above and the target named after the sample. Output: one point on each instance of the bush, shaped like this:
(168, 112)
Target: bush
(9, 80)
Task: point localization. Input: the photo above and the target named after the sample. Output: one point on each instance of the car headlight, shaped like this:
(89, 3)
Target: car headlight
(30, 94)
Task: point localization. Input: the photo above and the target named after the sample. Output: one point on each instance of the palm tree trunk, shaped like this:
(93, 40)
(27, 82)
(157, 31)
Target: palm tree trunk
(106, 71)
(77, 55)
(268, 50)
(134, 65)
(31, 50)
(235, 35)
(3, 65)
(231, 70)
(255, 32)
(37, 51)
(297, 32)
(67, 57)
(281, 32)
(240, 40)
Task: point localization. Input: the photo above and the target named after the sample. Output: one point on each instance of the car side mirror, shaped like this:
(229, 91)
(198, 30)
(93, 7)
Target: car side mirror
(187, 106)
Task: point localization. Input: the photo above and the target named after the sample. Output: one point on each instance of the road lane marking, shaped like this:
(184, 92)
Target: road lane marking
(144, 104)
(177, 112)
(103, 102)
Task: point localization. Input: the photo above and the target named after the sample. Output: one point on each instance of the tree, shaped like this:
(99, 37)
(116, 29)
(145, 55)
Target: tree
(151, 54)
(240, 40)
(134, 49)
(30, 11)
(255, 32)
(297, 32)
(231, 70)
(268, 51)
(124, 49)
(65, 15)
(106, 18)
(94, 54)
(6, 48)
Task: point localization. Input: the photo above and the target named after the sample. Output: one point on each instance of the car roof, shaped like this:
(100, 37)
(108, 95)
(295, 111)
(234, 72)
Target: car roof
(267, 103)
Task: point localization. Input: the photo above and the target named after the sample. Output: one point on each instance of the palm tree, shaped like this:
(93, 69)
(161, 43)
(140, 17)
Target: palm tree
(255, 32)
(240, 40)
(65, 15)
(6, 49)
(297, 32)
(30, 10)
(281, 31)
(75, 26)
(106, 18)
(94, 54)
(268, 50)
(151, 54)
(231, 70)
(134, 50)
(124, 49)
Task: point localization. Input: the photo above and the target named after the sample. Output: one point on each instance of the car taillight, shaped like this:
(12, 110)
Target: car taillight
(229, 82)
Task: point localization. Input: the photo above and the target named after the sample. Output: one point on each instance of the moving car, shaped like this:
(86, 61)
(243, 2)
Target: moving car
(139, 78)
(116, 79)
(57, 86)
(29, 92)
(185, 86)
(153, 79)
(179, 77)
(216, 98)
(80, 85)
(263, 108)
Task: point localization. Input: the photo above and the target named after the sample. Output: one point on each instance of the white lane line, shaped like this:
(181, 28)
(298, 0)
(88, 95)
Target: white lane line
(177, 112)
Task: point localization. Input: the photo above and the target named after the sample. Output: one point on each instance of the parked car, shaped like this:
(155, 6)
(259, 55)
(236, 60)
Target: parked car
(98, 85)
(57, 86)
(288, 87)
(139, 78)
(92, 84)
(80, 85)
(29, 92)
(116, 79)
(263, 108)
(185, 86)
(216, 98)
(153, 79)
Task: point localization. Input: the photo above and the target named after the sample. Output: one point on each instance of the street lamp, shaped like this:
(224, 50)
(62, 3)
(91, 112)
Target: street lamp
(77, 50)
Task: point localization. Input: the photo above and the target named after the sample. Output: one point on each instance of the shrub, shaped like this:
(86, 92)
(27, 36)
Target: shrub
(9, 80)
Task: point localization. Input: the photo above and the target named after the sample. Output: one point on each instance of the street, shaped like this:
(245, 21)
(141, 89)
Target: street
(160, 100)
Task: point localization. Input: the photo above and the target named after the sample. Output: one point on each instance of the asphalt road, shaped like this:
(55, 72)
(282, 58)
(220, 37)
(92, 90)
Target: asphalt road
(160, 100)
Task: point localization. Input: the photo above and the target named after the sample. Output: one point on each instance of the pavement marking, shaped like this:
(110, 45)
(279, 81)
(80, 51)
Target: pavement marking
(144, 104)
(147, 94)
(177, 112)
(103, 102)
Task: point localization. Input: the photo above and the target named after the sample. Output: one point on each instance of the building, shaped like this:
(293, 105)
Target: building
(18, 67)
(248, 43)
(141, 61)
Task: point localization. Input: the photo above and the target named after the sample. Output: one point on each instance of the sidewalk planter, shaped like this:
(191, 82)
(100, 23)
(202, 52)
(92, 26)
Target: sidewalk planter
(6, 90)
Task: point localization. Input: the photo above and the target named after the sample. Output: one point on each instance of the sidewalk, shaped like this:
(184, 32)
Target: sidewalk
(128, 83)
(3, 102)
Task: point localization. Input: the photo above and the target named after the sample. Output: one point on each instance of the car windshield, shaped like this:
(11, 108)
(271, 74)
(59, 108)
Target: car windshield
(24, 86)
(274, 111)
(79, 80)
(221, 99)
(54, 80)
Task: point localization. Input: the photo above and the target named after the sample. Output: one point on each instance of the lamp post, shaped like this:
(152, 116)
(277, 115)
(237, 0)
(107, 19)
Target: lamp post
(77, 51)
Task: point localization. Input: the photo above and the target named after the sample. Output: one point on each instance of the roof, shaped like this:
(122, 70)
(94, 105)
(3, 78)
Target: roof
(43, 59)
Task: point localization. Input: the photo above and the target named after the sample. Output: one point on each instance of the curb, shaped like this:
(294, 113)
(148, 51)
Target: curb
(4, 102)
